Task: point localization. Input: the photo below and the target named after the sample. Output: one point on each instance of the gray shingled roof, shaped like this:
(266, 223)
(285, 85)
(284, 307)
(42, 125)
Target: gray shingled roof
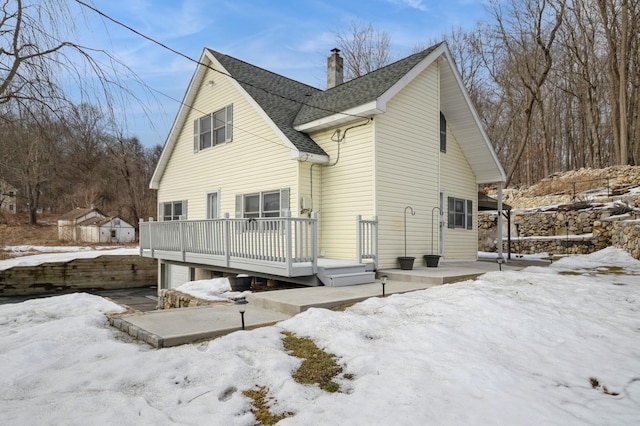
(359, 90)
(281, 98)
(289, 103)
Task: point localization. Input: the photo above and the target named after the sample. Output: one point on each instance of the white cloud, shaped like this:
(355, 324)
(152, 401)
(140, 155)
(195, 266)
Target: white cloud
(414, 4)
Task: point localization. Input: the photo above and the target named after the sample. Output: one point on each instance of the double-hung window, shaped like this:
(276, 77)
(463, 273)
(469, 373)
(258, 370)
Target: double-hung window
(173, 210)
(213, 129)
(262, 204)
(267, 204)
(460, 213)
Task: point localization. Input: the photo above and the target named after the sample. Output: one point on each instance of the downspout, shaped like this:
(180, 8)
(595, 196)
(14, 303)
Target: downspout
(440, 191)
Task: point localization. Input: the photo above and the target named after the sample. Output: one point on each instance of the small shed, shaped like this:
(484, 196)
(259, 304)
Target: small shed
(106, 230)
(8, 195)
(68, 223)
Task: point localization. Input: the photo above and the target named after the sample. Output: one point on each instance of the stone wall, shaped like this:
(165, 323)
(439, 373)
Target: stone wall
(100, 273)
(626, 235)
(168, 299)
(559, 232)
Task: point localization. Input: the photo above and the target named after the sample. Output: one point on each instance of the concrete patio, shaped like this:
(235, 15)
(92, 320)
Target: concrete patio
(165, 328)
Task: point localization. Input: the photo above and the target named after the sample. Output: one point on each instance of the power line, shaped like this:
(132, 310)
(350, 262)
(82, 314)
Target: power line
(235, 127)
(164, 46)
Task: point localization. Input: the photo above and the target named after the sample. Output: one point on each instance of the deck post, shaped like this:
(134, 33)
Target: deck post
(140, 225)
(375, 241)
(499, 224)
(182, 240)
(359, 238)
(314, 242)
(227, 240)
(288, 242)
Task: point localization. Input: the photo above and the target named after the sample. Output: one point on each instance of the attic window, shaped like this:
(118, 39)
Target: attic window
(213, 129)
(443, 133)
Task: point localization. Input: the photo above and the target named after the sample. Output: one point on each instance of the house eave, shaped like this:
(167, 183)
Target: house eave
(362, 111)
(308, 157)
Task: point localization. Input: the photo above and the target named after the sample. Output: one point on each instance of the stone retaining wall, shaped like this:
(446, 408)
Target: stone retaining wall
(168, 299)
(100, 273)
(561, 232)
(626, 235)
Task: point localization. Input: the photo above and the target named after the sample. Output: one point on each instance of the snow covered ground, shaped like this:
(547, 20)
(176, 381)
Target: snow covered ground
(557, 345)
(60, 254)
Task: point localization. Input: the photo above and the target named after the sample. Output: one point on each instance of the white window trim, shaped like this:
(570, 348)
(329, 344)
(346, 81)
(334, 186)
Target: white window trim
(161, 215)
(467, 214)
(228, 125)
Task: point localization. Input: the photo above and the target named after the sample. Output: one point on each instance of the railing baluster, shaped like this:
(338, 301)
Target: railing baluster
(284, 240)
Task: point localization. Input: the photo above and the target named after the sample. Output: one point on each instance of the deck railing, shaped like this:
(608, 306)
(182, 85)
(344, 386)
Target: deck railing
(283, 240)
(367, 239)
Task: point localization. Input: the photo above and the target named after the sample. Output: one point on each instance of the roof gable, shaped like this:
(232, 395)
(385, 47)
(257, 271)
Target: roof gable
(293, 108)
(275, 97)
(100, 221)
(279, 97)
(79, 213)
(359, 91)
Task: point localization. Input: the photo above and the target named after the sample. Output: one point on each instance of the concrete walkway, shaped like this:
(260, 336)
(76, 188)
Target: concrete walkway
(171, 327)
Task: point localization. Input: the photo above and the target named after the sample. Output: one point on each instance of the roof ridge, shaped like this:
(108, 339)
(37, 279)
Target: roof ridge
(360, 90)
(215, 52)
(424, 52)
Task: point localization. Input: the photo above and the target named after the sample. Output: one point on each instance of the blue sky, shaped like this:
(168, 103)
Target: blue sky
(289, 37)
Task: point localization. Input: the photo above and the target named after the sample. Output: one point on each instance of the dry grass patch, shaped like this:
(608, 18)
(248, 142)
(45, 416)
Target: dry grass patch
(318, 366)
(261, 408)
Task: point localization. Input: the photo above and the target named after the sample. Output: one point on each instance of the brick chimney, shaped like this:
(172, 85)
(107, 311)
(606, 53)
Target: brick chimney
(334, 69)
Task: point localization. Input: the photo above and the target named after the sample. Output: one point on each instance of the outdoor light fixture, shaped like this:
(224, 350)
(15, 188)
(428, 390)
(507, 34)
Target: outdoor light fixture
(500, 262)
(242, 308)
(383, 280)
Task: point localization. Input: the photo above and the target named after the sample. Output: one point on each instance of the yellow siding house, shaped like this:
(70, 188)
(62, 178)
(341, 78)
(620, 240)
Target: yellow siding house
(268, 176)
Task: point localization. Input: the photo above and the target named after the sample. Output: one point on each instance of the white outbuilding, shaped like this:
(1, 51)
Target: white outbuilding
(106, 230)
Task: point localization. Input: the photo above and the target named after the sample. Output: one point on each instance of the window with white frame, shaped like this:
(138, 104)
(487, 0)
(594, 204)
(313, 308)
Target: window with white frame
(460, 213)
(262, 204)
(267, 204)
(213, 129)
(173, 210)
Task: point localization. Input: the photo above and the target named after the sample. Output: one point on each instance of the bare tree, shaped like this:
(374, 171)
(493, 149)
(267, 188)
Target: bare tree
(43, 70)
(365, 49)
(620, 27)
(134, 165)
(527, 32)
(29, 155)
(40, 57)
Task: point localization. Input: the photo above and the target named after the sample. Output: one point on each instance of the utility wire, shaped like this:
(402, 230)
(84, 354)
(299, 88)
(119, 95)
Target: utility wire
(164, 46)
(235, 127)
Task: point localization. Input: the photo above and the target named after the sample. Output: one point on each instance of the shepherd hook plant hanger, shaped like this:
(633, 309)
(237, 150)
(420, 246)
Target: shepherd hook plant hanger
(413, 213)
(432, 212)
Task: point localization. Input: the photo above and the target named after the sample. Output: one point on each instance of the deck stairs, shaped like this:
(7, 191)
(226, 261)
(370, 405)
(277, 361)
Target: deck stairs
(334, 273)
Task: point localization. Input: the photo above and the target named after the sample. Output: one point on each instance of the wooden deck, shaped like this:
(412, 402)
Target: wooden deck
(283, 247)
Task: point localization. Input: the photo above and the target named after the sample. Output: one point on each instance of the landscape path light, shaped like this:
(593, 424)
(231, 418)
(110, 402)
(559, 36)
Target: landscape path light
(383, 280)
(500, 262)
(242, 308)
